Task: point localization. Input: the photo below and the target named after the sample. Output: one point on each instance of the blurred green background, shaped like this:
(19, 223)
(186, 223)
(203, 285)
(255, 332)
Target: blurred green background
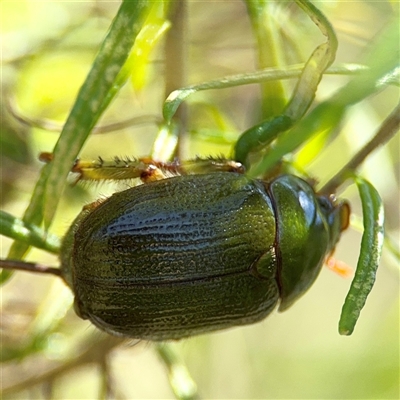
(47, 50)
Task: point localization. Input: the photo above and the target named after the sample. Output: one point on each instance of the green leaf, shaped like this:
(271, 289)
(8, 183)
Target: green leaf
(93, 97)
(260, 135)
(304, 93)
(321, 58)
(147, 40)
(368, 262)
(101, 85)
(17, 229)
(33, 215)
(176, 97)
(270, 38)
(382, 60)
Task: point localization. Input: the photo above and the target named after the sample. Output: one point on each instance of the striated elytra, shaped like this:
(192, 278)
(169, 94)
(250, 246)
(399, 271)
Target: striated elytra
(197, 253)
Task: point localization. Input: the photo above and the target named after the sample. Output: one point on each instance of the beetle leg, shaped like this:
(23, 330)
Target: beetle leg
(210, 165)
(339, 267)
(157, 170)
(146, 169)
(195, 166)
(118, 169)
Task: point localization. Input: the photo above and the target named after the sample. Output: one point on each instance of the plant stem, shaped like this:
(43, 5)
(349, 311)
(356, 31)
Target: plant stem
(95, 349)
(30, 267)
(175, 62)
(180, 380)
(386, 131)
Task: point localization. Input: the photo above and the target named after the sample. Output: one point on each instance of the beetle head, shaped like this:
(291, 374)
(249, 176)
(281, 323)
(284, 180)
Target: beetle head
(308, 227)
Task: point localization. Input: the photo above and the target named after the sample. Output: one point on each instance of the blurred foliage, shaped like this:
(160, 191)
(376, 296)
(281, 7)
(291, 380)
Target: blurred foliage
(47, 51)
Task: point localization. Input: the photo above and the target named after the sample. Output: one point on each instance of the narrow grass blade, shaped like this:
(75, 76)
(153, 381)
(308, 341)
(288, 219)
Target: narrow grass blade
(269, 36)
(321, 58)
(17, 229)
(101, 85)
(371, 247)
(94, 97)
(382, 62)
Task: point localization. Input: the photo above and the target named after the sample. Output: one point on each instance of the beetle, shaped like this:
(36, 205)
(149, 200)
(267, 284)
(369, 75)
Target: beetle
(190, 254)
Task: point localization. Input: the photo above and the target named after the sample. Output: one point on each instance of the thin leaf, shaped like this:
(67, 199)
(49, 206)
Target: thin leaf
(100, 87)
(179, 377)
(17, 229)
(175, 99)
(320, 121)
(321, 58)
(368, 262)
(148, 38)
(304, 93)
(260, 135)
(382, 60)
(32, 216)
(93, 97)
(268, 34)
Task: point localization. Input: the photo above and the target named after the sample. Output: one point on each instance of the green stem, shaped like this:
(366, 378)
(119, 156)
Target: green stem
(181, 382)
(266, 31)
(17, 229)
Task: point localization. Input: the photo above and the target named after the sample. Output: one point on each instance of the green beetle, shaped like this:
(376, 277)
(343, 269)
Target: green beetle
(192, 254)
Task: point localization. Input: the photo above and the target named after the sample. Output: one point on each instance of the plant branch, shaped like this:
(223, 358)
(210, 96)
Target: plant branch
(386, 131)
(30, 267)
(94, 353)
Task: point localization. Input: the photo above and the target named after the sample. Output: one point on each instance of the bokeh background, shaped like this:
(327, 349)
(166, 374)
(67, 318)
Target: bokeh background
(47, 49)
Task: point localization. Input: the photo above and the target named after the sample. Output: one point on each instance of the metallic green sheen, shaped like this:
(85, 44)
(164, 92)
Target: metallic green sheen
(176, 257)
(193, 254)
(304, 234)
